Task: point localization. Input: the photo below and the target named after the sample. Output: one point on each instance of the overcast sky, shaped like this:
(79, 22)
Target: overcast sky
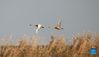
(77, 16)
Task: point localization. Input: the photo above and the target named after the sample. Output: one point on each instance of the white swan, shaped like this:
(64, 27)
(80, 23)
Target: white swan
(38, 27)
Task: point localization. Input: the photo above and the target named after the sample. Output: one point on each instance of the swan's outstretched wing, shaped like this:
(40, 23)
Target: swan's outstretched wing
(59, 22)
(37, 31)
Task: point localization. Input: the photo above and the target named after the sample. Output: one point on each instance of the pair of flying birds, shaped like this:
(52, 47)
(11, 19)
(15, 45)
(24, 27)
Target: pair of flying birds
(58, 26)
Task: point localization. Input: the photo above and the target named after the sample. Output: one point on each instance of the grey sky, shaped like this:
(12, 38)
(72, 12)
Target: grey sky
(78, 16)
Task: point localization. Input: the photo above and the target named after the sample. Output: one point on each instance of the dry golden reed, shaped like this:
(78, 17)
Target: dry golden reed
(57, 47)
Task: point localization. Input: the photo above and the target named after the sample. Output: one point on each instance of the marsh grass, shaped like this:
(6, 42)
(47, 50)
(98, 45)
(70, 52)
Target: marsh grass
(57, 47)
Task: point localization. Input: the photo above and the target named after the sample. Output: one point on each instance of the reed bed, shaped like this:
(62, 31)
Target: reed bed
(57, 47)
